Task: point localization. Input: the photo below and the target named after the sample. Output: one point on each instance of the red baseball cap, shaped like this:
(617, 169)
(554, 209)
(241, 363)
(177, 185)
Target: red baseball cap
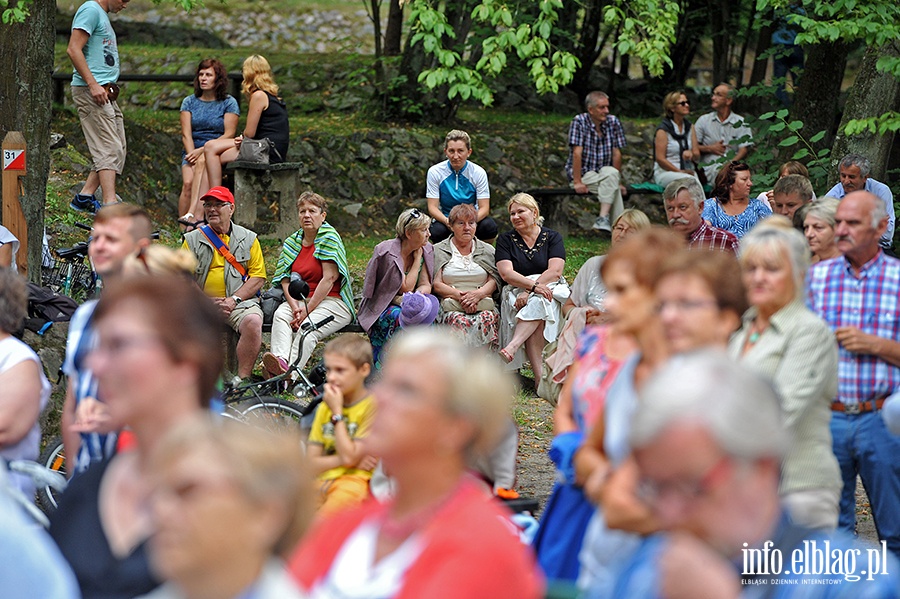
(219, 193)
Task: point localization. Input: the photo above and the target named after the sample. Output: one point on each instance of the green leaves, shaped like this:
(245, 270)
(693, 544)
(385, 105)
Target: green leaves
(647, 30)
(529, 40)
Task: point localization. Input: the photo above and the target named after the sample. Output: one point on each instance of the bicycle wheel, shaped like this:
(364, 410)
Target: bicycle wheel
(54, 458)
(273, 412)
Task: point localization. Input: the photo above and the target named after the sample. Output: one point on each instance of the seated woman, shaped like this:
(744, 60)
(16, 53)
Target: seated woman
(316, 253)
(675, 147)
(586, 303)
(818, 228)
(9, 245)
(158, 357)
(441, 535)
(530, 259)
(266, 118)
(26, 389)
(731, 207)
(466, 281)
(207, 114)
(784, 341)
(397, 266)
(214, 471)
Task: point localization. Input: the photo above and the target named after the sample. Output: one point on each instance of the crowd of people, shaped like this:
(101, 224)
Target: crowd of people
(719, 384)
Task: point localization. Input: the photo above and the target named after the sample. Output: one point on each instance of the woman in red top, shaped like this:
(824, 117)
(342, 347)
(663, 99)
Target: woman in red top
(442, 535)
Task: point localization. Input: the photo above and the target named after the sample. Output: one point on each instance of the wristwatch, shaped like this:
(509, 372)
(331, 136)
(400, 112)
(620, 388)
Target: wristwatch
(337, 418)
(236, 299)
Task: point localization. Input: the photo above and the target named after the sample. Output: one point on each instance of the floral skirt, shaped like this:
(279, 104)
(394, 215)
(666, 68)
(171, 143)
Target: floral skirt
(386, 325)
(481, 329)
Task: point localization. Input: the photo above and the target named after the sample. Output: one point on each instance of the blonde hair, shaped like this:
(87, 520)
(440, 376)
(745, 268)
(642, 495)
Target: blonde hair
(634, 218)
(159, 260)
(355, 348)
(408, 221)
(527, 200)
(458, 135)
(258, 76)
(671, 101)
(478, 389)
(266, 464)
(775, 237)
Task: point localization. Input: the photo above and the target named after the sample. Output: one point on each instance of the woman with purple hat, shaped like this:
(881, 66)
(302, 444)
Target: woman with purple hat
(398, 266)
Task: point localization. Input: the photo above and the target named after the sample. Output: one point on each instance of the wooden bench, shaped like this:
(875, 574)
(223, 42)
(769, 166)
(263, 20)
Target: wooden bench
(265, 197)
(554, 202)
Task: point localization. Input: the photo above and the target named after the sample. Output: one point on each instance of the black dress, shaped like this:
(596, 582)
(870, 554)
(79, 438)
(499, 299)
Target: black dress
(530, 261)
(78, 531)
(274, 124)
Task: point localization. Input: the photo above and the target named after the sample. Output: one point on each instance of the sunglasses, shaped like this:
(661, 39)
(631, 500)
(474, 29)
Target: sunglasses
(685, 103)
(415, 214)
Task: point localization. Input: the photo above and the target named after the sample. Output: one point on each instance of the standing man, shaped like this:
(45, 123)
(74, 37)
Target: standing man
(683, 201)
(854, 170)
(857, 297)
(718, 133)
(458, 181)
(119, 231)
(231, 270)
(95, 56)
(596, 139)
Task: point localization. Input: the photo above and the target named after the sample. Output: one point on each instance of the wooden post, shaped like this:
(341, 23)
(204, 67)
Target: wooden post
(12, 216)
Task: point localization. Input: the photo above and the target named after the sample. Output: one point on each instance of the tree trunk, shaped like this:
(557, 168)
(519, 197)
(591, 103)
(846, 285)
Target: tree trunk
(873, 93)
(720, 18)
(26, 51)
(394, 30)
(758, 104)
(816, 99)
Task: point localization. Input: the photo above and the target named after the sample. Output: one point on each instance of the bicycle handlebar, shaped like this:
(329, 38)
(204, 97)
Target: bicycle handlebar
(84, 226)
(312, 326)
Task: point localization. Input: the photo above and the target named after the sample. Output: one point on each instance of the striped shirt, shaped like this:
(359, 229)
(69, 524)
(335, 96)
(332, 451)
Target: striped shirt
(712, 238)
(868, 302)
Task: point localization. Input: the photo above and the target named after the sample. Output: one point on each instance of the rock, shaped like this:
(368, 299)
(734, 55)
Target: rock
(365, 151)
(493, 153)
(57, 140)
(353, 209)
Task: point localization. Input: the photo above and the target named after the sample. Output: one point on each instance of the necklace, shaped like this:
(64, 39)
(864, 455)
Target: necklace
(755, 332)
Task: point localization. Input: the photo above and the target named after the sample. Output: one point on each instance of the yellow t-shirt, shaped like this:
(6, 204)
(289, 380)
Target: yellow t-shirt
(359, 418)
(215, 279)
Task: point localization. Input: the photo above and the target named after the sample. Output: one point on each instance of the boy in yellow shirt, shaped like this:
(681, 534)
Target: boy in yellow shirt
(342, 420)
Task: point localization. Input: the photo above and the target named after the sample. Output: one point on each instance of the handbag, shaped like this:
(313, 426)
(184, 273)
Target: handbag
(255, 150)
(701, 174)
(448, 304)
(270, 300)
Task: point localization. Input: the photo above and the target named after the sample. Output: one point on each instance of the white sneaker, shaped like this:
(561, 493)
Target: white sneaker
(602, 224)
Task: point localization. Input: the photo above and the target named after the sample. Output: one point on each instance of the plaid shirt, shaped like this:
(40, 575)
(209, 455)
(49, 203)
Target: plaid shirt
(597, 148)
(869, 303)
(712, 238)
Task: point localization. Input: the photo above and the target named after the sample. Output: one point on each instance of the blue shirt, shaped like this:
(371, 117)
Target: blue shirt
(740, 224)
(880, 190)
(101, 50)
(208, 117)
(466, 186)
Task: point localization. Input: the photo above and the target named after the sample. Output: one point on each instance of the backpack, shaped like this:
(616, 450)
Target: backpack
(46, 306)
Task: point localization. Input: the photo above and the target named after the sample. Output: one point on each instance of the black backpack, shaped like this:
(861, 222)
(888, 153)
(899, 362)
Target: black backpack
(45, 306)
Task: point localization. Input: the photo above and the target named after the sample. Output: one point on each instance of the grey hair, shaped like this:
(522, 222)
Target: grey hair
(406, 222)
(458, 135)
(794, 184)
(592, 98)
(773, 236)
(857, 160)
(879, 211)
(689, 184)
(13, 300)
(478, 389)
(740, 409)
(823, 208)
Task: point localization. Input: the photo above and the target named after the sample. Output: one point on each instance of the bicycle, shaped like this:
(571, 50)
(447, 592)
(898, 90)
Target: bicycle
(42, 477)
(71, 273)
(266, 401)
(53, 458)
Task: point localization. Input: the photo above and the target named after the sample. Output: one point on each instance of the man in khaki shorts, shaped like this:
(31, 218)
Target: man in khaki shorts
(94, 54)
(231, 270)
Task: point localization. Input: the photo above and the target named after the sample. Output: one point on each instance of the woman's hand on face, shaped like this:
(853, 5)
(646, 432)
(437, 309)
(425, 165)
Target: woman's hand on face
(92, 416)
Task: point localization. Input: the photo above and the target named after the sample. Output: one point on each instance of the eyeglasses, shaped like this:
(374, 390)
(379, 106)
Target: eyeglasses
(684, 103)
(652, 492)
(114, 346)
(415, 214)
(215, 205)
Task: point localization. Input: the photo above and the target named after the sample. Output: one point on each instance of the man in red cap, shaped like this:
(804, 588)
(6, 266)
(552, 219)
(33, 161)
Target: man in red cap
(231, 270)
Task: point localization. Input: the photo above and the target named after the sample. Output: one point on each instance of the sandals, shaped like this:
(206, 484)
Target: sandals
(507, 357)
(190, 225)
